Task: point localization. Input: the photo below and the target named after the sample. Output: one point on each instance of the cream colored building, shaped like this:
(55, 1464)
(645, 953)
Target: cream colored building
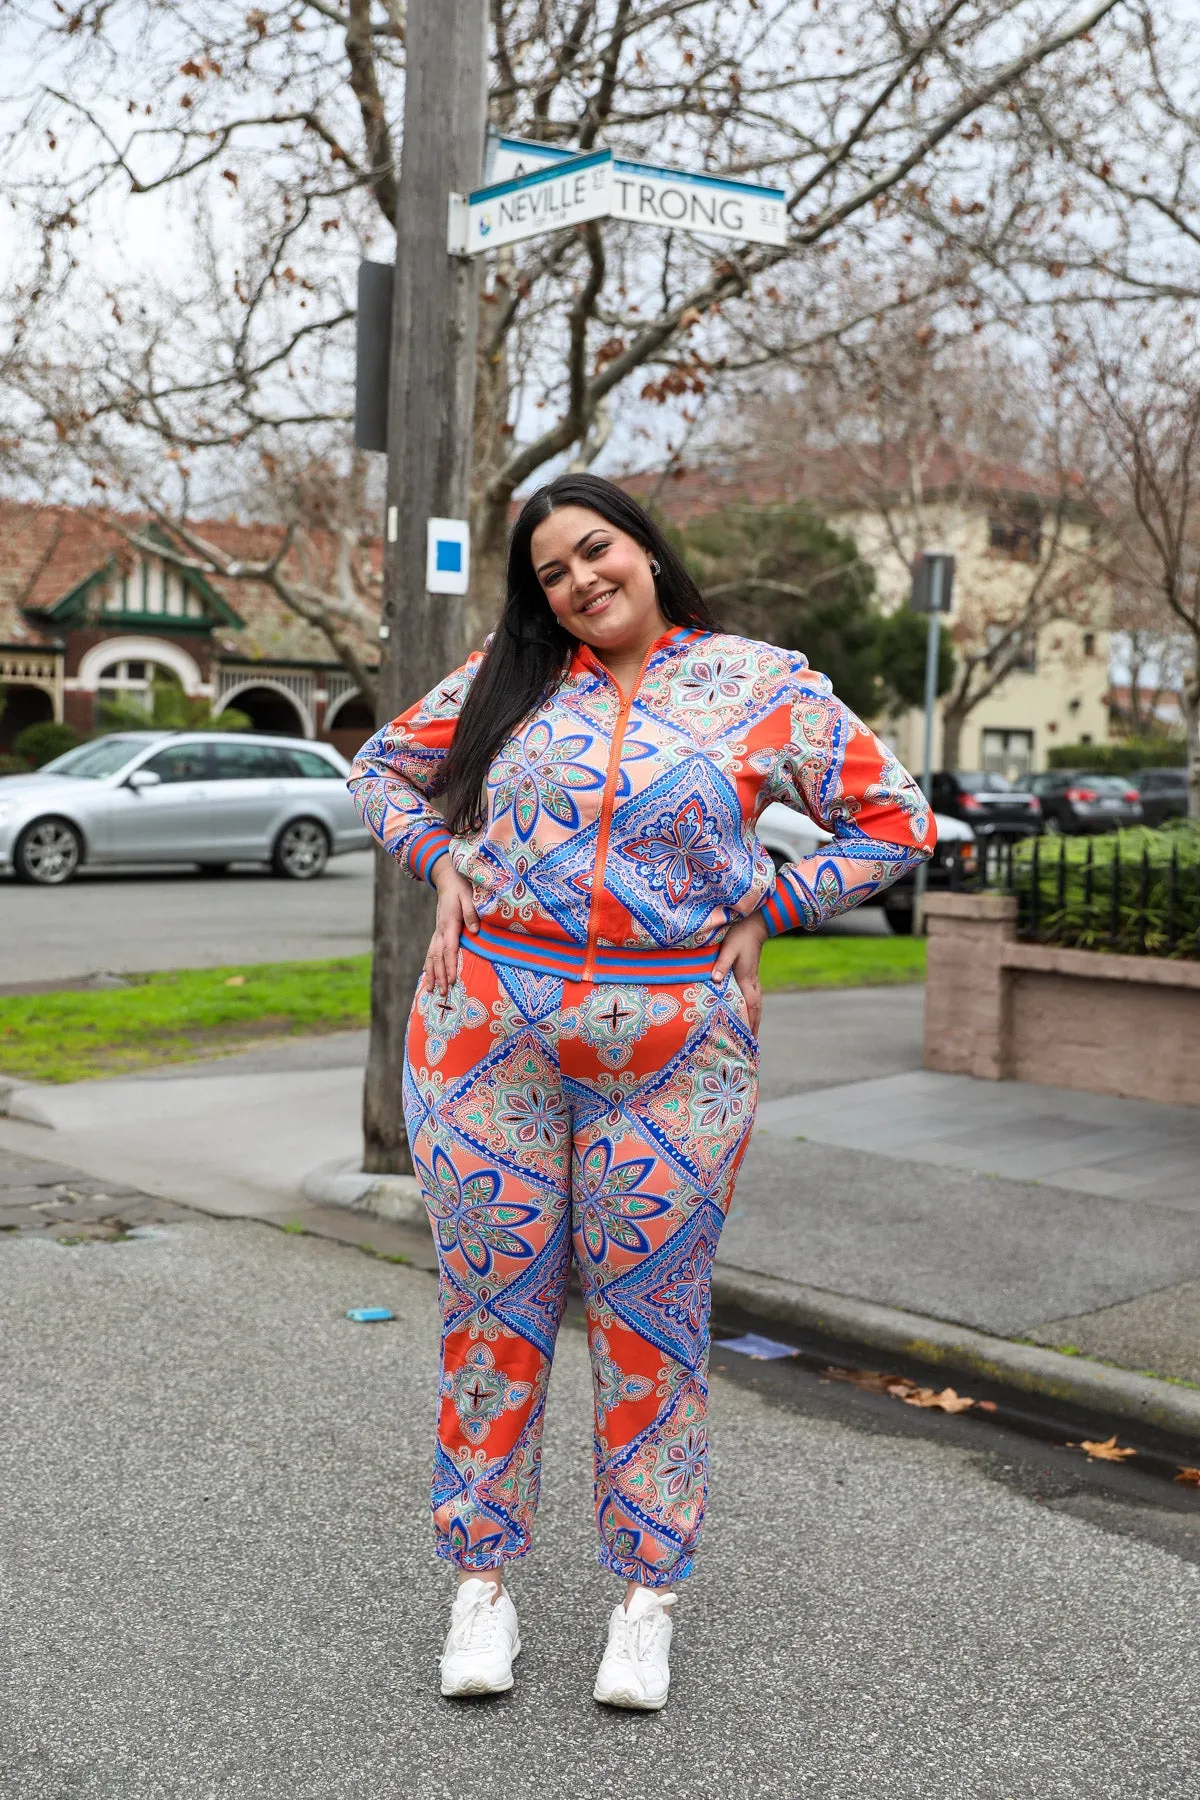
(999, 524)
(1002, 544)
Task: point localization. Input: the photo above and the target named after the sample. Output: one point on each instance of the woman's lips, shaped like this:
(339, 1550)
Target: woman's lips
(597, 604)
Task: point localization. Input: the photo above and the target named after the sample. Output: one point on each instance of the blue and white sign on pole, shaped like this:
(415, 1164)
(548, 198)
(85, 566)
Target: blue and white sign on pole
(570, 190)
(512, 158)
(448, 556)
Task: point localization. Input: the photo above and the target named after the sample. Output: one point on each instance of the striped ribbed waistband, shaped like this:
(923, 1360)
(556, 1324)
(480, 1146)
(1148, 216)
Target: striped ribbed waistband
(624, 966)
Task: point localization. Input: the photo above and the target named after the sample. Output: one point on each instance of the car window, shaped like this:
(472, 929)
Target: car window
(92, 762)
(182, 762)
(1105, 784)
(1046, 784)
(313, 767)
(247, 760)
(983, 781)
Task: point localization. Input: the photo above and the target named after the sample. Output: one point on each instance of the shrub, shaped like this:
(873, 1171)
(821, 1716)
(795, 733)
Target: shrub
(1123, 758)
(1133, 892)
(39, 744)
(12, 765)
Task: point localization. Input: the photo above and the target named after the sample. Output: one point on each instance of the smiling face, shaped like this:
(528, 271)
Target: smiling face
(598, 581)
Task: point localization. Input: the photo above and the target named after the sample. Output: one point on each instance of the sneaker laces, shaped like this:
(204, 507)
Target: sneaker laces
(641, 1633)
(474, 1624)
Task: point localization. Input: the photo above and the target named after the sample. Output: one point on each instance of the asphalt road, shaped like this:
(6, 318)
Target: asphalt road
(216, 1580)
(129, 920)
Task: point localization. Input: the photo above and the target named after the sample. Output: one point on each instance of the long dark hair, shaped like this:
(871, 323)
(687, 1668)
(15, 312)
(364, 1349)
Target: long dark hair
(530, 649)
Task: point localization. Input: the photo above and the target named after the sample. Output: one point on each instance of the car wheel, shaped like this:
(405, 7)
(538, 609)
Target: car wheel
(301, 850)
(214, 868)
(900, 920)
(48, 853)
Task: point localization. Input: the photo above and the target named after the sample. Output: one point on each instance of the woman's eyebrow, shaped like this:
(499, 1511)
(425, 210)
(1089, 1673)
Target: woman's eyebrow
(578, 545)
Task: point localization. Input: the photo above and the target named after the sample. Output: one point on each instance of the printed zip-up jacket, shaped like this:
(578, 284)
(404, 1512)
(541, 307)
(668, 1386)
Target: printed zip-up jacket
(619, 841)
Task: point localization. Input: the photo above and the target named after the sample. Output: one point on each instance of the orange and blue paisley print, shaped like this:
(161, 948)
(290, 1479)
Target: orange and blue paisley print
(551, 1121)
(717, 729)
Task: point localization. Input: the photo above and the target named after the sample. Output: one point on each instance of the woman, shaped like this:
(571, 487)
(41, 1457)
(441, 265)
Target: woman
(581, 1068)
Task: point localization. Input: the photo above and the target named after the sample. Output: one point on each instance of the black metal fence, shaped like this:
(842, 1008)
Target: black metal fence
(1133, 893)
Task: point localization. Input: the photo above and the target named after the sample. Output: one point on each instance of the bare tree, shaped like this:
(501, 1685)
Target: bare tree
(268, 139)
(917, 433)
(1142, 394)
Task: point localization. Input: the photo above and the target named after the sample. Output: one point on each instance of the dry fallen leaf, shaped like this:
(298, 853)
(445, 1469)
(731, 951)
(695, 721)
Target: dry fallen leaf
(860, 1378)
(236, 981)
(947, 1401)
(986, 1405)
(1108, 1451)
(1190, 1476)
(900, 1388)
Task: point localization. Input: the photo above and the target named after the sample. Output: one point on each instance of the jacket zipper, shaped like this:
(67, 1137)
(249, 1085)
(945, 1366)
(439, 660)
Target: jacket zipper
(606, 808)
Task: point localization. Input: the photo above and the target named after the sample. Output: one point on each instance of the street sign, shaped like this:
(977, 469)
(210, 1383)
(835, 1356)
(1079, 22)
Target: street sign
(932, 582)
(678, 200)
(512, 158)
(447, 556)
(572, 189)
(563, 193)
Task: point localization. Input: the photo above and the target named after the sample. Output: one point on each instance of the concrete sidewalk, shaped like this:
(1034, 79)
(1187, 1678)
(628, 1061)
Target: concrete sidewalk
(1020, 1212)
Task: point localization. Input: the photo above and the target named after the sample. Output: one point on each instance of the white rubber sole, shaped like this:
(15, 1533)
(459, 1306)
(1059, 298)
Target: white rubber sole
(627, 1698)
(476, 1685)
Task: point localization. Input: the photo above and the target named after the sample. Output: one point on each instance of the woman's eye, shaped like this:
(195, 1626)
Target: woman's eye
(595, 548)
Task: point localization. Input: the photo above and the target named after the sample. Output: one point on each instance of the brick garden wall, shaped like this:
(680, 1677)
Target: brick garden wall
(996, 1008)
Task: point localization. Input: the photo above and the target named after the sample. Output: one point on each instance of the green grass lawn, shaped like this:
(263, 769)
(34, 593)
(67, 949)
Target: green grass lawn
(810, 962)
(182, 1015)
(177, 1016)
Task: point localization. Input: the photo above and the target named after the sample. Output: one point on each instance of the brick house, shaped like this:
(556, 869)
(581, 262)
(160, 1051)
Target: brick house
(83, 615)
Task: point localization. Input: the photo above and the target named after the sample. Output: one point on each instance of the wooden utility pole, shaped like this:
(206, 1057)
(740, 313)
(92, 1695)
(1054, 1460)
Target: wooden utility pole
(430, 424)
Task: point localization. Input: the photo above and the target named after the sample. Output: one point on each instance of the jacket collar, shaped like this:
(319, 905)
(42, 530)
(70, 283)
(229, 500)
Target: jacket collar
(675, 638)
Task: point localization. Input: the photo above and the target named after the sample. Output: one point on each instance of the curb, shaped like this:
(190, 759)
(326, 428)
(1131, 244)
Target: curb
(1116, 1393)
(393, 1197)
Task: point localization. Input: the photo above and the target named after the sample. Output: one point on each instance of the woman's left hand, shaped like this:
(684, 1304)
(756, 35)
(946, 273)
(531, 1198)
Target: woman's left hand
(740, 951)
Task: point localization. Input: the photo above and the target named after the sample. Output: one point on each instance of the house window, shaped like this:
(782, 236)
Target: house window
(1007, 753)
(1089, 643)
(133, 680)
(1015, 531)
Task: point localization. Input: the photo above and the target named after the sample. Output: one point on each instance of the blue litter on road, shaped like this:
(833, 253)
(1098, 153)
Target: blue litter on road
(762, 1349)
(370, 1315)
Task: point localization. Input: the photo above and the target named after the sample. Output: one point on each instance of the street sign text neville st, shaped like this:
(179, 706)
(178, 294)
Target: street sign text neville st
(571, 190)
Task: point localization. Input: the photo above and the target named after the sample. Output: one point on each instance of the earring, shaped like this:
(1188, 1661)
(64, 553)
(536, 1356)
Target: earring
(655, 567)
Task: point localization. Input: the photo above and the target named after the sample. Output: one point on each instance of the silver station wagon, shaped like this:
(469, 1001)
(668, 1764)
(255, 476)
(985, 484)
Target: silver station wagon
(180, 796)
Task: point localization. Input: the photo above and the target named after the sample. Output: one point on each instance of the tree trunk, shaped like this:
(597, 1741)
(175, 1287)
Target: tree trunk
(430, 427)
(953, 720)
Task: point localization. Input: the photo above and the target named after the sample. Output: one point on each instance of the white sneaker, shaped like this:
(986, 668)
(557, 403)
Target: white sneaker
(634, 1672)
(482, 1641)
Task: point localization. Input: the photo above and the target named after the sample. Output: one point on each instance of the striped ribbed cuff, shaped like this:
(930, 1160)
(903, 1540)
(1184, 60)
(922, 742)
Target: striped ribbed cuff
(782, 910)
(425, 850)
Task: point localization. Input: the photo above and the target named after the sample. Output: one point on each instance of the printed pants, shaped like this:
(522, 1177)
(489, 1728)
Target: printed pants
(546, 1115)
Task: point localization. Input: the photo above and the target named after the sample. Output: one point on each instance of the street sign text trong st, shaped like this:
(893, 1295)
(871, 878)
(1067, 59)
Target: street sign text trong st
(571, 190)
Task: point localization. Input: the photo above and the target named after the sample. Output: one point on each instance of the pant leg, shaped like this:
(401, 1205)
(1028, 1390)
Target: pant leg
(662, 1083)
(490, 1136)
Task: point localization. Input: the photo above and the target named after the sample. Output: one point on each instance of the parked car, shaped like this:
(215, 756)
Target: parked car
(1082, 800)
(789, 837)
(1163, 794)
(988, 803)
(173, 796)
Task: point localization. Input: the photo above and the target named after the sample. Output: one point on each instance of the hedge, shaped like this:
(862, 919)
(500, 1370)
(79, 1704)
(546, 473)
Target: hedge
(1122, 758)
(1155, 875)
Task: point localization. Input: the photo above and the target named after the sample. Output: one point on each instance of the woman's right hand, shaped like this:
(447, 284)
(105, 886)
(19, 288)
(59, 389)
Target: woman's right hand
(455, 912)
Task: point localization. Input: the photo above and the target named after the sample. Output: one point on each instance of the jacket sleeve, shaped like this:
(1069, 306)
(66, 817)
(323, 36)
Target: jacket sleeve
(395, 772)
(836, 771)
